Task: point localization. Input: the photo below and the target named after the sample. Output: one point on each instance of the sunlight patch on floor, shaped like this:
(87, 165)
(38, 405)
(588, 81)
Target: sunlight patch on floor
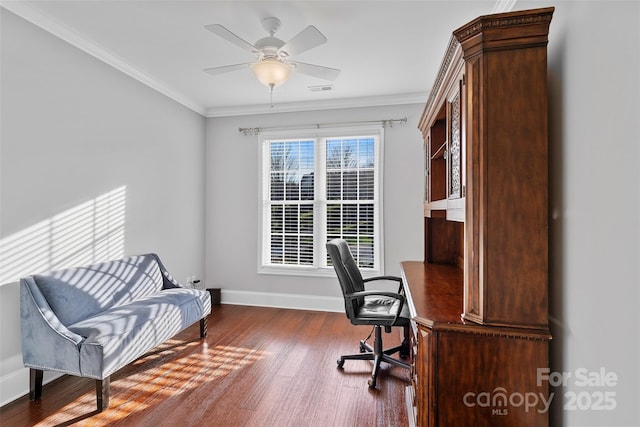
(154, 384)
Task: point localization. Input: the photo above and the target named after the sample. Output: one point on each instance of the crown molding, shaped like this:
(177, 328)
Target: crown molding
(369, 101)
(35, 16)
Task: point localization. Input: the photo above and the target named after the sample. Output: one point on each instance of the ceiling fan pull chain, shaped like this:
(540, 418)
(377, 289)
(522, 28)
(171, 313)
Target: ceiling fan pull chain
(271, 95)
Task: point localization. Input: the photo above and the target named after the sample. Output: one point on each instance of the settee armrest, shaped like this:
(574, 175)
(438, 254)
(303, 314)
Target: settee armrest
(46, 342)
(168, 282)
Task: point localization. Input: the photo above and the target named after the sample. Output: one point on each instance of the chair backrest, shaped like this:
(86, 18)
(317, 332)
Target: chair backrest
(348, 273)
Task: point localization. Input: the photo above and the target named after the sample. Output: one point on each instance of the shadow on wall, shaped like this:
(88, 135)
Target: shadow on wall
(90, 232)
(557, 246)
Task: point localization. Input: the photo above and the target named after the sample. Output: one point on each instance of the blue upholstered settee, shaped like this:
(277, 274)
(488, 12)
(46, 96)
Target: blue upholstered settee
(91, 321)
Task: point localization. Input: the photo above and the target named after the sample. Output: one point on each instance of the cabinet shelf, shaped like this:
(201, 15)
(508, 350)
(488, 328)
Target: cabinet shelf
(437, 205)
(440, 152)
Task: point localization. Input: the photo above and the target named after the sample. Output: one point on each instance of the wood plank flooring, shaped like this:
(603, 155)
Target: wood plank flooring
(257, 367)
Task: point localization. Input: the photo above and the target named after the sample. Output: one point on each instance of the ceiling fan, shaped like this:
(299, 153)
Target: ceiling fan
(273, 56)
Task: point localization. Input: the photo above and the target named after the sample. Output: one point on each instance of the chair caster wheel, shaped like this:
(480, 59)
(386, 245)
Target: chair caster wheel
(340, 363)
(372, 383)
(363, 349)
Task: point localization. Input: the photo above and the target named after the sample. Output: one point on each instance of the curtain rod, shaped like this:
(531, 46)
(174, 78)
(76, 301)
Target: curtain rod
(258, 130)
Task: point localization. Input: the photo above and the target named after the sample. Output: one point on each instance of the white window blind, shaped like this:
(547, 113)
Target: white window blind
(317, 188)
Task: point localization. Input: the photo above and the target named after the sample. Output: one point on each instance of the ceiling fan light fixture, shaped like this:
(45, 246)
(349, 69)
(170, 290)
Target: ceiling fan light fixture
(271, 72)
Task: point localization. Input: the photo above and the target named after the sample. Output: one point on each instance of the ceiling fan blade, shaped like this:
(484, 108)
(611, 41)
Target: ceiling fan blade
(223, 32)
(226, 68)
(325, 73)
(306, 39)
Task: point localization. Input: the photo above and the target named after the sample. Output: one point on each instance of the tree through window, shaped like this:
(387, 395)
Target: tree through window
(317, 189)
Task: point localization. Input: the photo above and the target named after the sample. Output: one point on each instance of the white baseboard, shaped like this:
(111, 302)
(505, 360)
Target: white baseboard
(15, 384)
(292, 301)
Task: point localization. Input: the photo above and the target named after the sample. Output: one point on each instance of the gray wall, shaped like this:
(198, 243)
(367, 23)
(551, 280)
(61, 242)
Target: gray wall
(594, 88)
(233, 212)
(87, 152)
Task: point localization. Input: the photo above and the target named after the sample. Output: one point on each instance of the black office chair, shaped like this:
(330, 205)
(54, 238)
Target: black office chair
(370, 307)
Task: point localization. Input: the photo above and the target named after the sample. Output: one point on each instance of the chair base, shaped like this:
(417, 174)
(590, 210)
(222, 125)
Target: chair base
(378, 355)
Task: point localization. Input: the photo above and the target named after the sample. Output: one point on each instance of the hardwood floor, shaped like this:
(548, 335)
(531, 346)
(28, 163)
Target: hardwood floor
(257, 367)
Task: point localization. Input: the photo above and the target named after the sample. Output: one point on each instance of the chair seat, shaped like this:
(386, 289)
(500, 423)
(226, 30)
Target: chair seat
(377, 309)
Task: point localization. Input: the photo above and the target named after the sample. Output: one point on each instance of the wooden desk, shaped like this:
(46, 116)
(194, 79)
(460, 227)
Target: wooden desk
(465, 374)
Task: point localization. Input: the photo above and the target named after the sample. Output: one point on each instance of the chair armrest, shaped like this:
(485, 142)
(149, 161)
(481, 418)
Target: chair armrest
(394, 278)
(376, 293)
(46, 342)
(391, 278)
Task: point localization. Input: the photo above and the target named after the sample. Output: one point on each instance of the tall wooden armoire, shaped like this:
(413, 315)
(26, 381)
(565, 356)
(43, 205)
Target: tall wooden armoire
(479, 301)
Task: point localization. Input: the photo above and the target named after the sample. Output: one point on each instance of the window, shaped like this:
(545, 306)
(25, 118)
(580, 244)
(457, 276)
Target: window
(316, 188)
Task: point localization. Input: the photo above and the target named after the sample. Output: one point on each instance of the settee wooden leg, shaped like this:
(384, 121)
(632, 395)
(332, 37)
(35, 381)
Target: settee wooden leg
(35, 383)
(203, 327)
(102, 393)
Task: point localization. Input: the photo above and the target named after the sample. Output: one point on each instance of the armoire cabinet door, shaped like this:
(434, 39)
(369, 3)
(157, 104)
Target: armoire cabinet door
(472, 280)
(506, 259)
(456, 151)
(454, 165)
(424, 368)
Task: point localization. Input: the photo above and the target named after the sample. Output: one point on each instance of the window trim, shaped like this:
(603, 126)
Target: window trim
(376, 131)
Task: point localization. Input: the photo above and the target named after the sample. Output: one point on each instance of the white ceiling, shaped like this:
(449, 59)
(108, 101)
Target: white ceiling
(389, 51)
